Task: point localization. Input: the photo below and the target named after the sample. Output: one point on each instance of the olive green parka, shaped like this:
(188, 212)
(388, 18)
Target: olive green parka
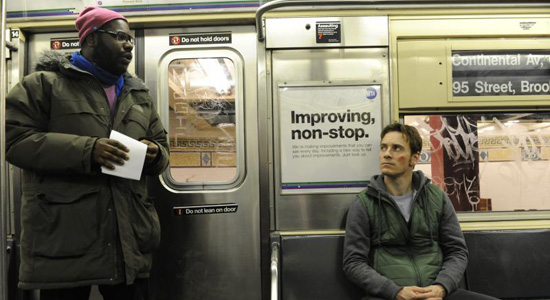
(80, 226)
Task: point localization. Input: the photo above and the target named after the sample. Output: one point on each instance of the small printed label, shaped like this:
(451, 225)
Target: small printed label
(206, 209)
(182, 39)
(371, 93)
(14, 33)
(64, 43)
(329, 32)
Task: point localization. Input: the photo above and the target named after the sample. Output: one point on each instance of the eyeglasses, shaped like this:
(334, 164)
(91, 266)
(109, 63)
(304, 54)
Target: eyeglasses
(120, 36)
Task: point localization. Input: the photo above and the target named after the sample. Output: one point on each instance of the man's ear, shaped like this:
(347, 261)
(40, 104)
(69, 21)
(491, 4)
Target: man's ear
(414, 159)
(91, 39)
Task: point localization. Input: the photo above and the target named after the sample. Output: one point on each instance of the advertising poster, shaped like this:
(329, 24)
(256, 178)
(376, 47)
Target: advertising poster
(329, 137)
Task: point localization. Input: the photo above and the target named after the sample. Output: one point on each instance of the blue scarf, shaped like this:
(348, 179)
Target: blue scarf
(103, 76)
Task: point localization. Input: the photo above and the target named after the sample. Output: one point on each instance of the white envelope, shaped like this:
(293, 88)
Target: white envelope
(133, 167)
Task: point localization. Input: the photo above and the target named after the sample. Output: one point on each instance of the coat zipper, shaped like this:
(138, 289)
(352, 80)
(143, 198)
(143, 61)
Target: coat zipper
(110, 117)
(411, 256)
(110, 127)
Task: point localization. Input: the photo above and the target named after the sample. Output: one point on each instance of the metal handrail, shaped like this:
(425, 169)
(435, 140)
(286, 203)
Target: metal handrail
(388, 4)
(275, 271)
(3, 175)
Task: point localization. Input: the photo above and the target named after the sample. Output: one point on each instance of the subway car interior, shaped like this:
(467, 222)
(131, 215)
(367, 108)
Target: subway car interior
(274, 111)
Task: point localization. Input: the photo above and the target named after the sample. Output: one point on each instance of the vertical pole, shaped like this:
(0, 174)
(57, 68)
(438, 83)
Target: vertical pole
(3, 179)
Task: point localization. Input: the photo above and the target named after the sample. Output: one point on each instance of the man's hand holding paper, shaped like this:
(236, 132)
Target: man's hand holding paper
(152, 151)
(128, 155)
(106, 151)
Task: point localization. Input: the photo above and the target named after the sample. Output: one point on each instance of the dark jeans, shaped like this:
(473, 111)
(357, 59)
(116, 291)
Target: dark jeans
(459, 294)
(137, 291)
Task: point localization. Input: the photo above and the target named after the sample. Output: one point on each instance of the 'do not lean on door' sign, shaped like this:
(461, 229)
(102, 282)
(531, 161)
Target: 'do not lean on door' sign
(500, 72)
(329, 137)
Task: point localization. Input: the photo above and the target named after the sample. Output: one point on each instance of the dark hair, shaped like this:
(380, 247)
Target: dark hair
(410, 133)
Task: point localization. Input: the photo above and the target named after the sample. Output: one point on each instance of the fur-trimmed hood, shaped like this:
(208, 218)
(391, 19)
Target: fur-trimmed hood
(54, 61)
(50, 60)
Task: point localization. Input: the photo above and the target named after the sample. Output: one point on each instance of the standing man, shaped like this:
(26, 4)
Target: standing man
(81, 227)
(403, 240)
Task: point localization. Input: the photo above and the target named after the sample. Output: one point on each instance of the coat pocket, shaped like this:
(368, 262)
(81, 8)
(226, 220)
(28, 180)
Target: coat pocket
(64, 224)
(145, 223)
(135, 122)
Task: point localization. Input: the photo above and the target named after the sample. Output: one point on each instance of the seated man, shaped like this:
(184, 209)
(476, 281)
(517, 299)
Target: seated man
(403, 240)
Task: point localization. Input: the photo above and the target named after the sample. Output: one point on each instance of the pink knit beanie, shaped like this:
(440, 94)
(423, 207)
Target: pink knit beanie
(91, 18)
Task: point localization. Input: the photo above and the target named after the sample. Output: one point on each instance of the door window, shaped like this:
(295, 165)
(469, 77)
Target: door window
(202, 120)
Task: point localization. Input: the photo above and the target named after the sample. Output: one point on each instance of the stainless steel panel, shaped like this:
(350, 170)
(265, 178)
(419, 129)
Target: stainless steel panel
(41, 42)
(301, 32)
(322, 211)
(208, 256)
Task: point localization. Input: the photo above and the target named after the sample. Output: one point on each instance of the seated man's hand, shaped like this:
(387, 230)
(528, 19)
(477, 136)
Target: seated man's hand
(437, 292)
(413, 292)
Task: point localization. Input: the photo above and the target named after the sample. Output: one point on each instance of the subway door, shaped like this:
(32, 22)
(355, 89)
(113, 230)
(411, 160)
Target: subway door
(204, 81)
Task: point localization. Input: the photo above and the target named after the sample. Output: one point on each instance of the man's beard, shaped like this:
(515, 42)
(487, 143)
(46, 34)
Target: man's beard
(107, 61)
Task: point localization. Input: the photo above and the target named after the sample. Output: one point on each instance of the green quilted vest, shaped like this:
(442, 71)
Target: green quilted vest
(407, 253)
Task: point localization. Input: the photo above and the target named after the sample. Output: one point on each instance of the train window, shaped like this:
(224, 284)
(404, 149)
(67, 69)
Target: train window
(488, 162)
(202, 120)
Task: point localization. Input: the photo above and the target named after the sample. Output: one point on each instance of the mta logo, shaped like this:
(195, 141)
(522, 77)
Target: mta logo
(371, 93)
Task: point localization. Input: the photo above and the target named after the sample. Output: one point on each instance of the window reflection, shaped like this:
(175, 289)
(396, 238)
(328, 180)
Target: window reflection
(488, 162)
(202, 120)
